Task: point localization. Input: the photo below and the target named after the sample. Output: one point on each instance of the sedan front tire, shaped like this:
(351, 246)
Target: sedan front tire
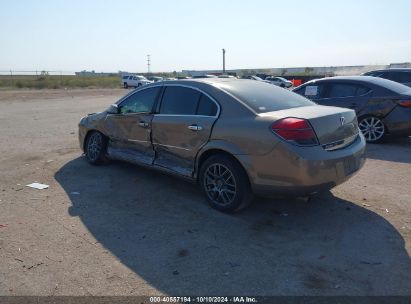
(95, 148)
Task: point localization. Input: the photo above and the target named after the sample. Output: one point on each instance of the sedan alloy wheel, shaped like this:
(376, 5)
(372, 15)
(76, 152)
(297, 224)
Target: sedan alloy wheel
(372, 128)
(219, 184)
(95, 148)
(225, 183)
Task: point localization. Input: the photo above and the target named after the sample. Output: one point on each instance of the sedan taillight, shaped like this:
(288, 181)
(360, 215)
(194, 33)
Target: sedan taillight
(296, 130)
(405, 103)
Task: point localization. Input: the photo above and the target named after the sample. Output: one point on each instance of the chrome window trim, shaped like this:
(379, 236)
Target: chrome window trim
(130, 114)
(193, 88)
(184, 115)
(145, 87)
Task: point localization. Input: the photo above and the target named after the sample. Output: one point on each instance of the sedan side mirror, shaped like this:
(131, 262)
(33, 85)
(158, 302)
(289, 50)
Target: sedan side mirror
(113, 109)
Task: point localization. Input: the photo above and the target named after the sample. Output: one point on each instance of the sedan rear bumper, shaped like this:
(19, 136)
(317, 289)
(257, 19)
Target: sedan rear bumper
(299, 171)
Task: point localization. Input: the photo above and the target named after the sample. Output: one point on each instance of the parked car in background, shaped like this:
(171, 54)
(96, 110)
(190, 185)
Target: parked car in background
(134, 81)
(383, 106)
(399, 75)
(155, 78)
(280, 81)
(233, 137)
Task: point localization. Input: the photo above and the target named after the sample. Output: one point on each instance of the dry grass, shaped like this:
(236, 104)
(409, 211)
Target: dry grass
(58, 82)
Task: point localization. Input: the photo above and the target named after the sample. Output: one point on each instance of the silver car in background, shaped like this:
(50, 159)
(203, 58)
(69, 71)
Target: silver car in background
(279, 81)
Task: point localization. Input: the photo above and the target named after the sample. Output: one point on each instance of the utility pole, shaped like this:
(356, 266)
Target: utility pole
(148, 64)
(223, 61)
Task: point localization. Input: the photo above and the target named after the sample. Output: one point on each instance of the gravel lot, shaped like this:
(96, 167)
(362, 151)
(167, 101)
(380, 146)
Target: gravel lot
(124, 230)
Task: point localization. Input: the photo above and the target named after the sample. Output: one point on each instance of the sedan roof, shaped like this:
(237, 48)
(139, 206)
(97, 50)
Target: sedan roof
(381, 82)
(258, 96)
(391, 70)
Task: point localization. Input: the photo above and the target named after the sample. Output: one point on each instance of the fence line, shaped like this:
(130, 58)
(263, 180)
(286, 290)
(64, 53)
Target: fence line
(35, 73)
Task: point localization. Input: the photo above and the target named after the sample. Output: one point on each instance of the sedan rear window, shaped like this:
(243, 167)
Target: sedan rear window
(391, 85)
(264, 97)
(206, 106)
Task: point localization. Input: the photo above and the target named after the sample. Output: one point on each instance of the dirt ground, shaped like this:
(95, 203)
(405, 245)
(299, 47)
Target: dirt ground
(123, 230)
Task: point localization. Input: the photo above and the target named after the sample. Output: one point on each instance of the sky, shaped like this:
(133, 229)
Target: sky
(108, 35)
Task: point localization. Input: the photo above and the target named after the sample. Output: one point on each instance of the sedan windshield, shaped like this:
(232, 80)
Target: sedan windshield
(263, 97)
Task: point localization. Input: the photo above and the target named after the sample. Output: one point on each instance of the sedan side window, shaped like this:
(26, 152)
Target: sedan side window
(362, 90)
(314, 91)
(405, 77)
(140, 102)
(396, 76)
(339, 90)
(385, 75)
(179, 100)
(342, 90)
(206, 106)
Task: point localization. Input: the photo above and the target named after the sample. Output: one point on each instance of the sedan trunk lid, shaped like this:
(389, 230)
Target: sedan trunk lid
(335, 127)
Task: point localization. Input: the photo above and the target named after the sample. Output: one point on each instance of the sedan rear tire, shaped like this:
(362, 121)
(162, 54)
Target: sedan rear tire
(372, 128)
(225, 183)
(95, 148)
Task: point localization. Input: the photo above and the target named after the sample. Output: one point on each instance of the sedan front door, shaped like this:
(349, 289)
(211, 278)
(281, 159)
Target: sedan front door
(181, 127)
(130, 130)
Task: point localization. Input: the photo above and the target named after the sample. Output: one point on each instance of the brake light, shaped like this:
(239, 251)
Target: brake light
(296, 130)
(405, 103)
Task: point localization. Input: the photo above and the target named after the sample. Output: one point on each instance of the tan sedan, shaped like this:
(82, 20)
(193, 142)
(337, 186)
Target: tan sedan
(234, 137)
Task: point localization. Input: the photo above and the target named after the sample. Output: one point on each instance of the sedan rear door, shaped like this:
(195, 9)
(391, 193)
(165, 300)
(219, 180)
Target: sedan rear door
(181, 127)
(346, 95)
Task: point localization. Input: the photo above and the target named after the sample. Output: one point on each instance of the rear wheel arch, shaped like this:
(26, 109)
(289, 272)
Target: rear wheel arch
(228, 189)
(215, 151)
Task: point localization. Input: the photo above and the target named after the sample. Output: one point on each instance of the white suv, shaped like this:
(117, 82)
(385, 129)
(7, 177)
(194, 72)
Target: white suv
(134, 81)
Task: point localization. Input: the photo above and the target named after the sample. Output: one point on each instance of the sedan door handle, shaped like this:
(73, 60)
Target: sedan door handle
(143, 124)
(195, 128)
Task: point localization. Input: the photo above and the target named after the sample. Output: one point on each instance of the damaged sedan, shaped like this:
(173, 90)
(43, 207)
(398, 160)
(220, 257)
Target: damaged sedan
(235, 138)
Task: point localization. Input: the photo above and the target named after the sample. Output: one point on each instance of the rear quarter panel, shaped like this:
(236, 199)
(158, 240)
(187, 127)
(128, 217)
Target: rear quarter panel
(378, 106)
